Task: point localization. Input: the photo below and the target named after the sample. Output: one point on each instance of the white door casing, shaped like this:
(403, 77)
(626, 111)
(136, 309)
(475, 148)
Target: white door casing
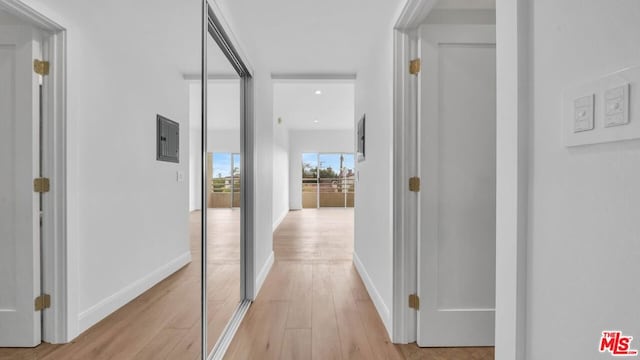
(457, 151)
(20, 324)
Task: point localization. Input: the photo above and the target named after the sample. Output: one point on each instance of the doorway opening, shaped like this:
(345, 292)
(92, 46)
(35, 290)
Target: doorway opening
(33, 192)
(445, 136)
(314, 179)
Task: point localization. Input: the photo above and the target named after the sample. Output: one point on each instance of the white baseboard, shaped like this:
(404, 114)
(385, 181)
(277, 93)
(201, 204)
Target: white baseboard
(107, 306)
(280, 219)
(262, 275)
(381, 307)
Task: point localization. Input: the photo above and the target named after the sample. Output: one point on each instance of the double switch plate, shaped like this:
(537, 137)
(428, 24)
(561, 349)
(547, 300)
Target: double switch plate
(603, 110)
(615, 112)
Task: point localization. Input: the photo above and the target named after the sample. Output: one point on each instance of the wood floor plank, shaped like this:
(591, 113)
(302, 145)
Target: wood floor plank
(296, 344)
(267, 343)
(188, 347)
(162, 344)
(299, 315)
(325, 340)
(353, 339)
(277, 286)
(381, 346)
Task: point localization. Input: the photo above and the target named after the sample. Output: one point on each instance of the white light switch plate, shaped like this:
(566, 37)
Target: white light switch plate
(616, 103)
(616, 106)
(179, 176)
(583, 113)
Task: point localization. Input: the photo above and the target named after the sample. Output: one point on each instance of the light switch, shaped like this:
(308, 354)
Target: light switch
(179, 176)
(616, 106)
(583, 113)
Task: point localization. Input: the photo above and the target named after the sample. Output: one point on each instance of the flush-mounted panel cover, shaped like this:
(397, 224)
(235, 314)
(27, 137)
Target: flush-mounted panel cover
(167, 140)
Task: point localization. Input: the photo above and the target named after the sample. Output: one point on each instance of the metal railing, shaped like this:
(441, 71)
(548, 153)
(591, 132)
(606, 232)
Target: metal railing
(328, 192)
(224, 192)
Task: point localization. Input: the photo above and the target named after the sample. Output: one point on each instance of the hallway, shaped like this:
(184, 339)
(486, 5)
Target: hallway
(313, 304)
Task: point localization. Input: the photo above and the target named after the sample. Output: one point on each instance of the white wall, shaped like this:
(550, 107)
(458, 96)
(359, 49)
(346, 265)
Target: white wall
(263, 169)
(583, 243)
(128, 215)
(312, 141)
(373, 216)
(280, 174)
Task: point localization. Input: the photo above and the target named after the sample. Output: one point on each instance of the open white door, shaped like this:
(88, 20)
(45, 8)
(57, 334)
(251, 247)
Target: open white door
(20, 323)
(456, 263)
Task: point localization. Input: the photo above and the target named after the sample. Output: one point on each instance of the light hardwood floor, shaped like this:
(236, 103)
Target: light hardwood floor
(313, 304)
(164, 322)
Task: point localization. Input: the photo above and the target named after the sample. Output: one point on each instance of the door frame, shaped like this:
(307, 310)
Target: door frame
(59, 322)
(512, 161)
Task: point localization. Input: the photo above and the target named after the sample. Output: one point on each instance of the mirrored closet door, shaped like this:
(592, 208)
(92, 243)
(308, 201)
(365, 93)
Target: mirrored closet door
(224, 186)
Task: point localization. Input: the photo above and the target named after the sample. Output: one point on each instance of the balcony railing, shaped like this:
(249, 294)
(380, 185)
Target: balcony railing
(224, 193)
(328, 192)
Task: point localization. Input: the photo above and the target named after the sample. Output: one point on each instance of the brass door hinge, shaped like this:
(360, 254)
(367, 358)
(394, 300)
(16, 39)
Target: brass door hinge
(41, 185)
(414, 184)
(43, 302)
(41, 67)
(414, 66)
(414, 301)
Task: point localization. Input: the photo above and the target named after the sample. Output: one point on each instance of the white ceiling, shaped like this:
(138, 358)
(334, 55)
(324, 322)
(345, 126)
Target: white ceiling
(289, 36)
(293, 36)
(310, 36)
(299, 107)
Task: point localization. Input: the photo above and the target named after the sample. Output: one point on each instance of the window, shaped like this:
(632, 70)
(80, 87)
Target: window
(224, 189)
(328, 180)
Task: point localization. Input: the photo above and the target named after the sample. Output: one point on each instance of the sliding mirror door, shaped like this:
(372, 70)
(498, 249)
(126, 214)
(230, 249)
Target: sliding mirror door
(224, 212)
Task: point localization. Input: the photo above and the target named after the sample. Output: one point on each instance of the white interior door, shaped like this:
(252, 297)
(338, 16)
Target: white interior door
(456, 265)
(20, 324)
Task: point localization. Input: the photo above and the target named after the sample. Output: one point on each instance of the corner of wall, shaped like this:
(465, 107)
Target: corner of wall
(262, 275)
(378, 301)
(280, 219)
(110, 304)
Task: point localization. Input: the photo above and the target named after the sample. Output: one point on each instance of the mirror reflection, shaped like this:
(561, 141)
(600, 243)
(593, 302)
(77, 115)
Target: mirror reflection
(223, 176)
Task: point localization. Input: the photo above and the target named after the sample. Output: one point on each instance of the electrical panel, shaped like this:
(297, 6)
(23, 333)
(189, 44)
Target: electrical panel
(167, 140)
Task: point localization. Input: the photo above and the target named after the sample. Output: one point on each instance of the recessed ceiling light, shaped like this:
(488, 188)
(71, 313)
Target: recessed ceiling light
(316, 121)
(318, 92)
